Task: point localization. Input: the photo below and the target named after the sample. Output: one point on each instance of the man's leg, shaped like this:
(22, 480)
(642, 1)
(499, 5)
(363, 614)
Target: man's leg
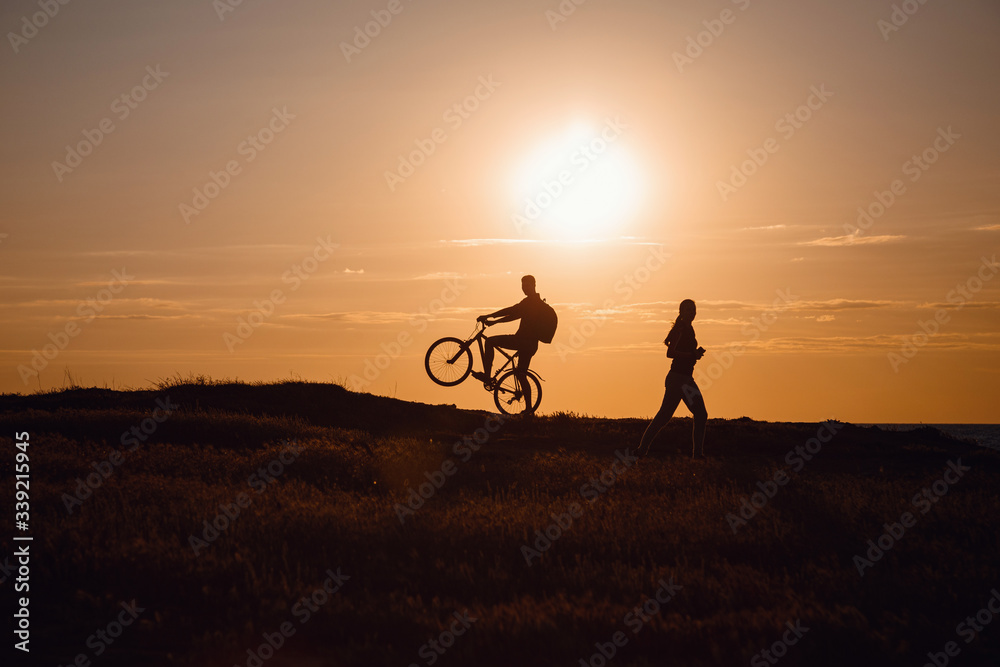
(695, 402)
(521, 373)
(488, 357)
(506, 341)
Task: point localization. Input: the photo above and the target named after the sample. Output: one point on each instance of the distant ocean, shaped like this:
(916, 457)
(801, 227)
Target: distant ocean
(986, 435)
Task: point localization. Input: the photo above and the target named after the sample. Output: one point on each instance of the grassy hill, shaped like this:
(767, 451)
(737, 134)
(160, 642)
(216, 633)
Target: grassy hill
(536, 529)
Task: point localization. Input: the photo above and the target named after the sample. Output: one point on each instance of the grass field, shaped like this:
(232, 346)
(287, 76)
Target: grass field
(321, 478)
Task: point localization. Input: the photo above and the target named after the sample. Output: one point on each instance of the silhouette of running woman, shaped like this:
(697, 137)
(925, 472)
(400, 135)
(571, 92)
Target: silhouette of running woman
(679, 385)
(525, 340)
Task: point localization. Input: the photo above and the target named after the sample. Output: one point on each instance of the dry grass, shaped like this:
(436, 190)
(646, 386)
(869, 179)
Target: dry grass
(334, 508)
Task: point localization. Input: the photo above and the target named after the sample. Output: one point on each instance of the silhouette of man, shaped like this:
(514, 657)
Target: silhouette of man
(679, 384)
(524, 340)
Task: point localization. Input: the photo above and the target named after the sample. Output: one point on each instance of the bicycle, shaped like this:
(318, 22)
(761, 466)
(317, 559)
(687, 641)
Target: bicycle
(449, 361)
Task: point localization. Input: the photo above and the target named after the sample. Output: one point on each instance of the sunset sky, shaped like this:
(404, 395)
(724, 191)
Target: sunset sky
(188, 165)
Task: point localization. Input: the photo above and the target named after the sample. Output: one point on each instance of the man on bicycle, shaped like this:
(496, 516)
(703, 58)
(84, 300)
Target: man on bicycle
(524, 340)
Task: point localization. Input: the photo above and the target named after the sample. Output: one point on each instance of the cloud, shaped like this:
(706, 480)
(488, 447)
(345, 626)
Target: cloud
(852, 239)
(470, 243)
(379, 317)
(970, 305)
(440, 275)
(133, 282)
(143, 316)
(880, 344)
(621, 240)
(201, 251)
(845, 304)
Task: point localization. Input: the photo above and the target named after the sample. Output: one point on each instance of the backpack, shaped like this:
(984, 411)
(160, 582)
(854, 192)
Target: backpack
(547, 322)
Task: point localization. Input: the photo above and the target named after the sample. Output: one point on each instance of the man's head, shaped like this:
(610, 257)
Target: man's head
(528, 285)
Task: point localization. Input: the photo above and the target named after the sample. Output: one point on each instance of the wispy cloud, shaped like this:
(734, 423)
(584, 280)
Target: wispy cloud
(146, 316)
(202, 251)
(441, 275)
(967, 305)
(852, 239)
(845, 304)
(834, 344)
(621, 241)
(469, 243)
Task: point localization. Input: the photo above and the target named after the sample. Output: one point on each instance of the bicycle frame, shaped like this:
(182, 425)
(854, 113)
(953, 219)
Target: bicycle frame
(478, 337)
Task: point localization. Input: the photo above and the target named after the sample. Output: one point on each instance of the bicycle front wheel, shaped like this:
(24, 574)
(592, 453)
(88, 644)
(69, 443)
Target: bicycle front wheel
(447, 362)
(509, 397)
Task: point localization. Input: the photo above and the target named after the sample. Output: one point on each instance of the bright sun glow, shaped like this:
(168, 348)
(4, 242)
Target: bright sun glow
(583, 184)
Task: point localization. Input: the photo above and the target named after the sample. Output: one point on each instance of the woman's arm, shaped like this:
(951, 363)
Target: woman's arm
(684, 345)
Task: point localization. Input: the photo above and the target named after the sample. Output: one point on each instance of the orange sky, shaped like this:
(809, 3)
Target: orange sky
(173, 169)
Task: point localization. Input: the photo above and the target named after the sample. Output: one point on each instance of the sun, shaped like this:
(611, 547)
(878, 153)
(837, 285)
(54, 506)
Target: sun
(582, 184)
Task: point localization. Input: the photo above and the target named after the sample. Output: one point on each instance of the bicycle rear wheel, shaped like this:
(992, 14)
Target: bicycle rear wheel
(508, 396)
(447, 362)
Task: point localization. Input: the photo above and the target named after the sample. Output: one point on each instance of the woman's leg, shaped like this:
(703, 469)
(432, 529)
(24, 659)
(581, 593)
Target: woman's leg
(695, 402)
(671, 398)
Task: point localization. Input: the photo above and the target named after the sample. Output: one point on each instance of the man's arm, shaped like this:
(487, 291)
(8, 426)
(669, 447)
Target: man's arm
(508, 314)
